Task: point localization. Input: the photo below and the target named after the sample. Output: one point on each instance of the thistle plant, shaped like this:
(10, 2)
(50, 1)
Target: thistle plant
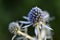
(37, 19)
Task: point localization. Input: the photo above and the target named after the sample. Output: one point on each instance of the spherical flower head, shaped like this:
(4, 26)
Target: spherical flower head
(13, 27)
(36, 14)
(45, 15)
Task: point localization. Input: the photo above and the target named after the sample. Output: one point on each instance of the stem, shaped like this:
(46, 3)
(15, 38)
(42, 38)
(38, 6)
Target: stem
(13, 37)
(25, 33)
(27, 36)
(39, 35)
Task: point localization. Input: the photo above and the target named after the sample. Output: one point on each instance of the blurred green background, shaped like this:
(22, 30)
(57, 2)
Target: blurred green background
(12, 10)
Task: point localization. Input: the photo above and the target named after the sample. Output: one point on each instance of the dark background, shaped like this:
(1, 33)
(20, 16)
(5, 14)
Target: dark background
(12, 10)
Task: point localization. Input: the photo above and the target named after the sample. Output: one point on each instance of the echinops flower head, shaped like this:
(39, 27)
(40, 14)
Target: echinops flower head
(36, 14)
(13, 27)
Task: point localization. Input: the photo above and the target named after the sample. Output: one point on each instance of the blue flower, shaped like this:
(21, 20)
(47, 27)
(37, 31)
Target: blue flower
(35, 16)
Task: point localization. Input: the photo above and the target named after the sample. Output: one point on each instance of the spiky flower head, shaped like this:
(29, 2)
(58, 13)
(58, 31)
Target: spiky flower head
(36, 14)
(13, 27)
